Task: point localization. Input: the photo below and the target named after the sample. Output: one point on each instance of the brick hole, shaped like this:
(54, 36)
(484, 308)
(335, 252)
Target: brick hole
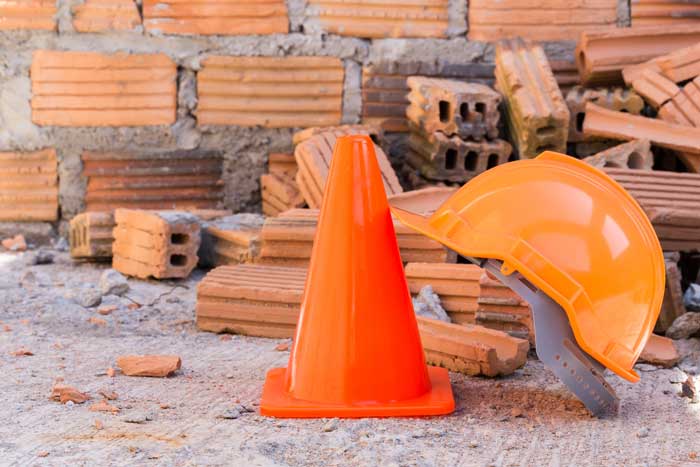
(635, 161)
(450, 159)
(480, 109)
(544, 147)
(178, 260)
(492, 162)
(444, 108)
(179, 238)
(551, 129)
(464, 111)
(374, 139)
(580, 117)
(470, 161)
(513, 157)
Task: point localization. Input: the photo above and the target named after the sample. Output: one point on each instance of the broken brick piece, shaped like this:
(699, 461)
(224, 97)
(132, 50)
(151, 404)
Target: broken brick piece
(279, 193)
(91, 236)
(439, 157)
(221, 17)
(684, 107)
(618, 98)
(103, 406)
(93, 89)
(157, 366)
(314, 156)
(29, 186)
(159, 244)
(470, 349)
(63, 394)
(22, 353)
(535, 110)
(273, 92)
(28, 14)
(282, 164)
(672, 306)
(375, 132)
(501, 308)
(231, 240)
(680, 65)
(455, 108)
(106, 15)
(457, 285)
(380, 18)
(254, 300)
(655, 88)
(660, 350)
(667, 13)
(635, 154)
(424, 201)
(16, 243)
(550, 20)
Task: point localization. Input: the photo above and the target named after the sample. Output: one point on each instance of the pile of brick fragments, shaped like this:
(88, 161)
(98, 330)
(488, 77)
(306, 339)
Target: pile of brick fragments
(635, 115)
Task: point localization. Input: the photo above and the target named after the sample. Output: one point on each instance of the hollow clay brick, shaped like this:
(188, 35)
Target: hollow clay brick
(661, 351)
(667, 13)
(381, 18)
(279, 193)
(601, 56)
(502, 309)
(681, 65)
(439, 157)
(254, 300)
(620, 99)
(536, 113)
(455, 108)
(28, 14)
(182, 180)
(106, 15)
(314, 156)
(672, 306)
(684, 107)
(635, 154)
(655, 88)
(272, 92)
(91, 236)
(159, 244)
(28, 186)
(619, 125)
(424, 201)
(374, 131)
(220, 17)
(282, 164)
(538, 20)
(230, 240)
(457, 285)
(470, 349)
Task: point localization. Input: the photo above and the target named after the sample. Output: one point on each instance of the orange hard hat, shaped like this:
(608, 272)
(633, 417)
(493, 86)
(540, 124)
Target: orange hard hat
(573, 233)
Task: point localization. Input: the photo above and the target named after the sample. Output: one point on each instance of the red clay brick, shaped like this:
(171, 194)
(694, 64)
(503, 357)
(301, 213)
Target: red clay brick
(28, 14)
(279, 193)
(93, 89)
(381, 18)
(635, 154)
(228, 242)
(91, 235)
(655, 88)
(684, 107)
(660, 350)
(550, 20)
(28, 186)
(273, 92)
(680, 65)
(374, 131)
(424, 201)
(667, 13)
(672, 306)
(502, 309)
(221, 17)
(159, 244)
(282, 164)
(106, 15)
(158, 366)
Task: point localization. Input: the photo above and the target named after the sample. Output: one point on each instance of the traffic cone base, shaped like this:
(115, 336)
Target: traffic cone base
(278, 402)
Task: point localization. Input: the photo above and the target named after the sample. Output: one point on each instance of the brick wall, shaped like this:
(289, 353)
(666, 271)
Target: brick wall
(145, 78)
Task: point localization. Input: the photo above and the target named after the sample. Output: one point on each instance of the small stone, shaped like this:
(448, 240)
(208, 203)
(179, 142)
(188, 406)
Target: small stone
(97, 321)
(87, 297)
(684, 326)
(22, 353)
(157, 366)
(40, 257)
(230, 414)
(138, 417)
(427, 304)
(516, 412)
(643, 432)
(113, 283)
(103, 406)
(110, 372)
(61, 245)
(330, 425)
(42, 454)
(688, 388)
(65, 394)
(229, 376)
(109, 395)
(691, 297)
(283, 347)
(16, 243)
(107, 309)
(473, 444)
(99, 425)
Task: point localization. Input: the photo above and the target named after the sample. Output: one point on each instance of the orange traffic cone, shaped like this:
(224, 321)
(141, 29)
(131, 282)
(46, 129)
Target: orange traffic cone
(357, 351)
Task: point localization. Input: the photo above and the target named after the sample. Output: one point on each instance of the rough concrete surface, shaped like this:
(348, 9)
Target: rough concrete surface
(201, 415)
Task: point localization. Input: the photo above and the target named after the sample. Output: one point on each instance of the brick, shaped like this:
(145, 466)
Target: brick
(566, 73)
(537, 20)
(28, 14)
(282, 164)
(155, 366)
(655, 88)
(385, 89)
(439, 157)
(106, 15)
(535, 110)
(684, 107)
(220, 17)
(457, 285)
(663, 12)
(28, 186)
(230, 240)
(287, 240)
(502, 309)
(381, 18)
(279, 193)
(601, 56)
(314, 156)
(424, 201)
(375, 132)
(254, 300)
(661, 351)
(619, 99)
(93, 89)
(672, 306)
(681, 65)
(635, 154)
(181, 180)
(468, 110)
(670, 200)
(159, 244)
(469, 349)
(272, 92)
(91, 236)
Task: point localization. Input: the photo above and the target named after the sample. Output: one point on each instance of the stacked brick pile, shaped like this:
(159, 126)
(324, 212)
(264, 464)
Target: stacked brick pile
(454, 129)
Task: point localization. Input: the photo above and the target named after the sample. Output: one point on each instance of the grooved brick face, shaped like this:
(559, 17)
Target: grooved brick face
(539, 20)
(28, 186)
(106, 15)
(381, 18)
(27, 14)
(664, 12)
(273, 92)
(93, 89)
(222, 17)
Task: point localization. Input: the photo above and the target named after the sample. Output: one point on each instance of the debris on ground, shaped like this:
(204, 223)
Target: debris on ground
(684, 326)
(157, 366)
(103, 406)
(113, 283)
(660, 351)
(16, 243)
(688, 388)
(22, 353)
(65, 394)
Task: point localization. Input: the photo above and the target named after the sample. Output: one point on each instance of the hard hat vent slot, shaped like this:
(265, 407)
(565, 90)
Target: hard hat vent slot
(445, 112)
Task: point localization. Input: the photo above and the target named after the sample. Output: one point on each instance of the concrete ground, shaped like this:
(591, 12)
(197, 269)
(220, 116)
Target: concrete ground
(199, 416)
